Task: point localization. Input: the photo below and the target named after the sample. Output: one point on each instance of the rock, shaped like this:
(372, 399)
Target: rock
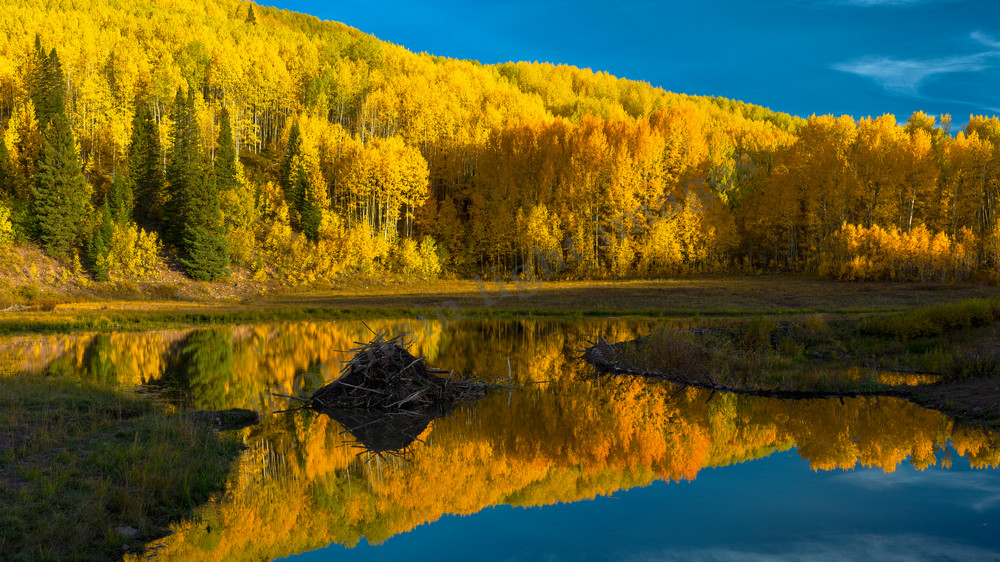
(127, 532)
(235, 418)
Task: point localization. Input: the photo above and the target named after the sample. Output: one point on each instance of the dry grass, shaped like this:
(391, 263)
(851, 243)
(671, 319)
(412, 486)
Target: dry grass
(675, 297)
(694, 297)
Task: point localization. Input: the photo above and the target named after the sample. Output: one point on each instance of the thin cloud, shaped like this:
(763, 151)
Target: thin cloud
(870, 3)
(898, 547)
(983, 486)
(881, 3)
(904, 76)
(985, 39)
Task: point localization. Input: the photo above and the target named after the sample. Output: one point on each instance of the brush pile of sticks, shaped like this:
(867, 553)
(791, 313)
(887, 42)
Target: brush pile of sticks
(384, 376)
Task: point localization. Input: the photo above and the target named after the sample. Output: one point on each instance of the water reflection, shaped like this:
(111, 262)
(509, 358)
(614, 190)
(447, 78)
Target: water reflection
(563, 438)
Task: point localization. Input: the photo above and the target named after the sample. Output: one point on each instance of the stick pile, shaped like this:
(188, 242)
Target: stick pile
(384, 376)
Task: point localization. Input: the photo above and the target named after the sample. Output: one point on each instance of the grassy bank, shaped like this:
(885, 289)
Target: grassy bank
(90, 474)
(675, 298)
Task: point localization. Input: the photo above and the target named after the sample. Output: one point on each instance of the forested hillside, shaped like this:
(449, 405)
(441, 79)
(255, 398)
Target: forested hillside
(245, 136)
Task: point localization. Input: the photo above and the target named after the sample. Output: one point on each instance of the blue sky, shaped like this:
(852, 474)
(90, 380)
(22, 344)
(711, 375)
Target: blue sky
(859, 57)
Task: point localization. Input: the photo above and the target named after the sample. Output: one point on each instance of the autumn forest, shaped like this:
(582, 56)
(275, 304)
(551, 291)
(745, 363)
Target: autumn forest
(236, 136)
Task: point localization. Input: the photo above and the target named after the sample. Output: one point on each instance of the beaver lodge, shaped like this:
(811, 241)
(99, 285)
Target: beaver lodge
(384, 376)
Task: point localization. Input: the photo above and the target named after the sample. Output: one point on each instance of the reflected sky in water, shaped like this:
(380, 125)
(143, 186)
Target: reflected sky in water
(774, 508)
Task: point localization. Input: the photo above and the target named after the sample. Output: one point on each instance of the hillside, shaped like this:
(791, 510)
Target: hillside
(299, 151)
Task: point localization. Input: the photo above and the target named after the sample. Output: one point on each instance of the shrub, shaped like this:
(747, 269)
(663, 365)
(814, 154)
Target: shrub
(406, 257)
(669, 351)
(134, 254)
(6, 226)
(430, 261)
(756, 336)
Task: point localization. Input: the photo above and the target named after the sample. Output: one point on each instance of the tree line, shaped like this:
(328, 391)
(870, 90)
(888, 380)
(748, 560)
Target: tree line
(243, 136)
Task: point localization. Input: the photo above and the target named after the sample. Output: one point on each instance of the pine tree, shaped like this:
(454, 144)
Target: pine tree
(308, 207)
(225, 155)
(204, 240)
(100, 244)
(251, 17)
(286, 173)
(7, 177)
(145, 170)
(61, 194)
(182, 167)
(120, 199)
(48, 85)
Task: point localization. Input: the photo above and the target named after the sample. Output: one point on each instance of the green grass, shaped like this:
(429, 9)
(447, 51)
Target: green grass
(78, 463)
(934, 320)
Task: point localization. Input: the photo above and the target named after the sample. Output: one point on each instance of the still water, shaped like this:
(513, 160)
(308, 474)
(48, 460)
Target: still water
(569, 467)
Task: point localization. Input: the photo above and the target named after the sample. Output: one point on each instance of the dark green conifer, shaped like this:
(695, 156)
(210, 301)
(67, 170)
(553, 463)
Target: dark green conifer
(286, 173)
(183, 167)
(60, 195)
(307, 206)
(47, 84)
(7, 177)
(145, 168)
(100, 244)
(251, 17)
(225, 155)
(120, 199)
(205, 244)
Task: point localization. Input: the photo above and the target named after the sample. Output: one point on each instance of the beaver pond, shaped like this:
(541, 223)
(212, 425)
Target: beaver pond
(568, 466)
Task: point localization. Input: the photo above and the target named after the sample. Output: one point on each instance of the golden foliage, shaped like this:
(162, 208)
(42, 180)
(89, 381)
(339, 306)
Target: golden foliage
(858, 253)
(134, 254)
(520, 168)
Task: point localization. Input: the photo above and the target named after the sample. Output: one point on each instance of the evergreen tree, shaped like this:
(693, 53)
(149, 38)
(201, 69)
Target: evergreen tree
(308, 208)
(145, 169)
(61, 194)
(204, 241)
(100, 244)
(48, 85)
(120, 199)
(225, 155)
(251, 17)
(286, 173)
(183, 167)
(7, 177)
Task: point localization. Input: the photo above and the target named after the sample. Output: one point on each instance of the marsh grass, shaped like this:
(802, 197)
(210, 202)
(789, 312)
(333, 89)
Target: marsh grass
(78, 463)
(934, 320)
(669, 351)
(975, 363)
(741, 357)
(951, 347)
